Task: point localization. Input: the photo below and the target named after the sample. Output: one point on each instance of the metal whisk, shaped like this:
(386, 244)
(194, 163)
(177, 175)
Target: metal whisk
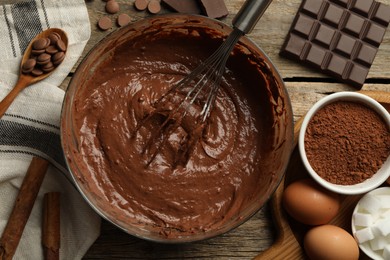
(199, 87)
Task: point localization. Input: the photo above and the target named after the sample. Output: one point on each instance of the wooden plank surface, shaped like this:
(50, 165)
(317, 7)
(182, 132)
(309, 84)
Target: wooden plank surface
(305, 87)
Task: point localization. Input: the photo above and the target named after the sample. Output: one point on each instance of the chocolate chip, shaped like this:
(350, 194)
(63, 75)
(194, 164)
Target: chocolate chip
(112, 7)
(36, 72)
(37, 52)
(48, 67)
(61, 45)
(105, 23)
(43, 58)
(41, 43)
(54, 37)
(141, 5)
(154, 6)
(51, 49)
(58, 58)
(45, 55)
(123, 19)
(28, 65)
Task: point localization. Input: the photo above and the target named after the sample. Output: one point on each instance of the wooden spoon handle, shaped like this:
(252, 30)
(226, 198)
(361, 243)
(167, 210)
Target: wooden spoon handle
(22, 83)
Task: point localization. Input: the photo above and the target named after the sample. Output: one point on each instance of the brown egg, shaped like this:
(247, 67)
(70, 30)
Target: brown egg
(309, 203)
(328, 242)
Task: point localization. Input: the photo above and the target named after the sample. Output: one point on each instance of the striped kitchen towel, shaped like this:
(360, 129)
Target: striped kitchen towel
(30, 126)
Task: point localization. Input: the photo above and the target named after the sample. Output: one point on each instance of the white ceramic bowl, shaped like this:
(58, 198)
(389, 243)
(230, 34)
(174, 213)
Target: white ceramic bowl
(366, 247)
(367, 185)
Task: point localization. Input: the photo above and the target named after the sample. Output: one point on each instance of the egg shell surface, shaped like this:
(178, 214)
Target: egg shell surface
(329, 242)
(309, 203)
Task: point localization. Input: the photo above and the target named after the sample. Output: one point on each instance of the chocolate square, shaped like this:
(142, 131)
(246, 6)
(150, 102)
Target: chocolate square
(366, 54)
(337, 65)
(304, 25)
(316, 55)
(333, 15)
(362, 7)
(338, 37)
(312, 7)
(345, 45)
(324, 35)
(354, 24)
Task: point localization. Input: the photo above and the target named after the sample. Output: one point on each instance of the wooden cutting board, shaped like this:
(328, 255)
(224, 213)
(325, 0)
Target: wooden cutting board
(290, 233)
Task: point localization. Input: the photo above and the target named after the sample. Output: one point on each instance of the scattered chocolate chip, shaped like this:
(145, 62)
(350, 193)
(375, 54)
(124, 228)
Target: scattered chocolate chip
(184, 6)
(112, 7)
(28, 66)
(154, 6)
(105, 23)
(123, 19)
(214, 8)
(141, 5)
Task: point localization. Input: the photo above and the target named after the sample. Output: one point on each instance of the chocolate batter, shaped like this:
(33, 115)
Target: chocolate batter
(229, 169)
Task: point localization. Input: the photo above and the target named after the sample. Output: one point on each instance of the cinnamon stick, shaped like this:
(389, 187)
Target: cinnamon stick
(51, 233)
(22, 208)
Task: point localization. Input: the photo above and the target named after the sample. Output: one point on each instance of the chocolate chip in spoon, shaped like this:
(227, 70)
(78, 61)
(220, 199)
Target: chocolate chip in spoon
(37, 60)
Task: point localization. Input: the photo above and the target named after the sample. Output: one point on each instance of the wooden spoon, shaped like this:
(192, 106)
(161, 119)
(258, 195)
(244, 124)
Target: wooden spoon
(26, 80)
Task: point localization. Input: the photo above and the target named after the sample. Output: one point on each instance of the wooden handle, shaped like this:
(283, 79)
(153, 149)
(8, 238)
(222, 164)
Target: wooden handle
(22, 83)
(380, 96)
(23, 205)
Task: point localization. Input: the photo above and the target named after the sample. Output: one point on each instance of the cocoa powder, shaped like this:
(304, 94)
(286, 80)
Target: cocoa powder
(347, 142)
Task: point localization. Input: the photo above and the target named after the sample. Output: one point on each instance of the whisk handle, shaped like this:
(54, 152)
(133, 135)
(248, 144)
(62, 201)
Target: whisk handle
(249, 14)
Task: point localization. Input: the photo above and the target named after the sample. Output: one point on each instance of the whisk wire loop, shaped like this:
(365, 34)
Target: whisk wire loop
(206, 75)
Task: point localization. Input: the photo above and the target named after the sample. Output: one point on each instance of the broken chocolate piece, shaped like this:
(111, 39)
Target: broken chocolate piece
(184, 6)
(214, 8)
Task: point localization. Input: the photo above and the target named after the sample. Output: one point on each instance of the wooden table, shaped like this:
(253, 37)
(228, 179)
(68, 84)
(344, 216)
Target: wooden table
(305, 87)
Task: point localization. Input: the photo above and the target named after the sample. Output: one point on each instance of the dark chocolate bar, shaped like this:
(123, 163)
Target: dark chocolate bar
(339, 37)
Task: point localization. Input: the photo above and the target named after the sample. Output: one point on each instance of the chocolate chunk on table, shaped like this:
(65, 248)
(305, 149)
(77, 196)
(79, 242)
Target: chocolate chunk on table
(184, 6)
(338, 37)
(214, 8)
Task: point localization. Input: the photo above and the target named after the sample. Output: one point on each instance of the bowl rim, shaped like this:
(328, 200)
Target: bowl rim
(364, 246)
(289, 131)
(359, 188)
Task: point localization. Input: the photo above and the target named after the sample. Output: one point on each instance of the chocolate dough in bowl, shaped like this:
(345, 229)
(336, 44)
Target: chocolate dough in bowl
(235, 166)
